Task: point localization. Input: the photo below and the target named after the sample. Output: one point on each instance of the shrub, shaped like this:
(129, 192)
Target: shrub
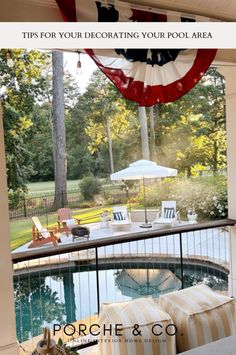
(16, 199)
(206, 195)
(89, 187)
(156, 191)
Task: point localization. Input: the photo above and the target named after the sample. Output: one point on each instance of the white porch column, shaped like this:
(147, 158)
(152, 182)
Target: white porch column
(8, 345)
(230, 81)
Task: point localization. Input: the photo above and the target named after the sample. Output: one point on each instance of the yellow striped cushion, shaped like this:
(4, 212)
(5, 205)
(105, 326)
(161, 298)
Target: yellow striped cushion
(145, 313)
(200, 314)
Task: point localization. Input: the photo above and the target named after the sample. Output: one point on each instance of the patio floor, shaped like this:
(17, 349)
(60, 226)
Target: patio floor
(96, 232)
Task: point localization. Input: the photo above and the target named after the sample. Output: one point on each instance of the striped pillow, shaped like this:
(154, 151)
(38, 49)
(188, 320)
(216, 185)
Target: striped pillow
(118, 216)
(143, 312)
(200, 314)
(169, 212)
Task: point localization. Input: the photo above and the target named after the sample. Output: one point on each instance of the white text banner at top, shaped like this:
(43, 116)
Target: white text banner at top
(118, 35)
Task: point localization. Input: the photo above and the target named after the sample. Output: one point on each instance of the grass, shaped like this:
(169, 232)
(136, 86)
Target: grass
(21, 230)
(49, 186)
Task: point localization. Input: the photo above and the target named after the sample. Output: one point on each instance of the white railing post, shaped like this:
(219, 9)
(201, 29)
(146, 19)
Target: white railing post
(8, 344)
(230, 85)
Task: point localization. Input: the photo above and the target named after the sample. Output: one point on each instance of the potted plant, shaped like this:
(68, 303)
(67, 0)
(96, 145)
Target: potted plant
(67, 349)
(104, 218)
(191, 214)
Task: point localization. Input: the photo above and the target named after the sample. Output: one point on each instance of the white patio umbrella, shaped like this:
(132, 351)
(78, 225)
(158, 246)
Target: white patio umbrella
(141, 170)
(145, 282)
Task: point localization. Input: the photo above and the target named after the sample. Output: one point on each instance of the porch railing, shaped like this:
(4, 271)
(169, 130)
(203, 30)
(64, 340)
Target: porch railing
(67, 283)
(43, 204)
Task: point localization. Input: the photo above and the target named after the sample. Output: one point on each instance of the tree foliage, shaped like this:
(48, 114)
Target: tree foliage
(39, 142)
(20, 87)
(86, 126)
(189, 133)
(17, 155)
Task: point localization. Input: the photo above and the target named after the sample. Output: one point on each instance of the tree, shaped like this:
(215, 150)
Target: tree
(24, 82)
(213, 120)
(88, 129)
(80, 161)
(190, 132)
(152, 134)
(58, 131)
(21, 86)
(109, 144)
(17, 155)
(144, 132)
(39, 143)
(40, 134)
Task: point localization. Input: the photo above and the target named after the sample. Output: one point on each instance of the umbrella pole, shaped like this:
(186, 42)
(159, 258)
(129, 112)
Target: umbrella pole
(145, 201)
(146, 224)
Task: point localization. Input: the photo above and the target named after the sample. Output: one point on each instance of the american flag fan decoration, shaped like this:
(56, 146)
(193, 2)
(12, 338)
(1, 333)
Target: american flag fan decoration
(147, 76)
(160, 76)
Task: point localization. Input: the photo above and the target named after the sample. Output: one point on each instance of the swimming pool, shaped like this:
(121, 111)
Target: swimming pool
(63, 295)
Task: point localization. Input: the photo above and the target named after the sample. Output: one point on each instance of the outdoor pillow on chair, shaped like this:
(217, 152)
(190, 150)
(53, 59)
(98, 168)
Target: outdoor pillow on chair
(118, 216)
(169, 212)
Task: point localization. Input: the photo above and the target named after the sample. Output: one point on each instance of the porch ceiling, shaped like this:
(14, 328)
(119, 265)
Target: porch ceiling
(224, 10)
(225, 57)
(46, 10)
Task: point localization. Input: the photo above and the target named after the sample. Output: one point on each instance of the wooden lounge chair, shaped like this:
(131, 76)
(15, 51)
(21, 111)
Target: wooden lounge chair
(42, 235)
(65, 220)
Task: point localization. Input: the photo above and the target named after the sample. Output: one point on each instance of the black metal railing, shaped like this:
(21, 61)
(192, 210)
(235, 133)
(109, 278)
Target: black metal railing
(72, 280)
(40, 204)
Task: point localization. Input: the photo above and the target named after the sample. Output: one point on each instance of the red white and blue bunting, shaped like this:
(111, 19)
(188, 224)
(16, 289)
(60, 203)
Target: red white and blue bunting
(147, 76)
(153, 76)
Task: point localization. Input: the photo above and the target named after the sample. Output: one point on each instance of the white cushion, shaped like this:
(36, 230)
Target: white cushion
(163, 220)
(45, 233)
(200, 315)
(70, 222)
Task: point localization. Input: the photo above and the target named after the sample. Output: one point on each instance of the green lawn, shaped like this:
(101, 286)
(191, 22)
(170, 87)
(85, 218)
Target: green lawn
(49, 186)
(21, 230)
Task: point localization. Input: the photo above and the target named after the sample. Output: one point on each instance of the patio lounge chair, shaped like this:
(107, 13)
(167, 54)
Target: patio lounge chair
(168, 213)
(65, 220)
(42, 235)
(121, 216)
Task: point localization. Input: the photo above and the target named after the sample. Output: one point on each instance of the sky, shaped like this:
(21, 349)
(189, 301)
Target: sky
(87, 68)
